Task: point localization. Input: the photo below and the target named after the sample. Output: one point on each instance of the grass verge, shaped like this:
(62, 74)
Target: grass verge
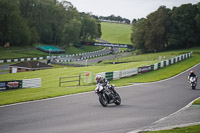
(116, 33)
(197, 102)
(189, 129)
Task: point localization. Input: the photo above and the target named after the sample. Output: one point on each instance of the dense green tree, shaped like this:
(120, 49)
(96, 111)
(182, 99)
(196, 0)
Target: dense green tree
(168, 29)
(197, 18)
(150, 34)
(24, 22)
(90, 28)
(183, 30)
(157, 25)
(115, 18)
(72, 33)
(13, 27)
(138, 33)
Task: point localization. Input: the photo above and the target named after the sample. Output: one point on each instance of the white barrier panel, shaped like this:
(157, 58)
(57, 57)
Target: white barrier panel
(128, 72)
(180, 58)
(176, 59)
(172, 60)
(167, 62)
(156, 66)
(31, 83)
(161, 64)
(184, 56)
(116, 75)
(102, 74)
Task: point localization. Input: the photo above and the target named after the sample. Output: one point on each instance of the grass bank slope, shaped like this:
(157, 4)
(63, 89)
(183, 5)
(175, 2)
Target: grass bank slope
(116, 33)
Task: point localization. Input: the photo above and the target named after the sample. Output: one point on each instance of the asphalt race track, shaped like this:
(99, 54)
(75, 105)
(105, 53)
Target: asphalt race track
(142, 104)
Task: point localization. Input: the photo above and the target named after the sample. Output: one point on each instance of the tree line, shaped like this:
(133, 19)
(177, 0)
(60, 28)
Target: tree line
(115, 19)
(25, 22)
(167, 29)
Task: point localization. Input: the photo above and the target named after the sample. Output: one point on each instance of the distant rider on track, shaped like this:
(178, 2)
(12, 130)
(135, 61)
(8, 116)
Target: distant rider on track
(192, 74)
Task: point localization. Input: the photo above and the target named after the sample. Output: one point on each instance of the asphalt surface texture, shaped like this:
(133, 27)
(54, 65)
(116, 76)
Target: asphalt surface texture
(143, 106)
(187, 116)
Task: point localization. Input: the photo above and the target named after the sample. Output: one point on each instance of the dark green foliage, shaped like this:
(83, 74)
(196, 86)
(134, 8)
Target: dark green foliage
(137, 36)
(168, 29)
(24, 22)
(90, 29)
(157, 25)
(197, 18)
(183, 30)
(115, 18)
(13, 27)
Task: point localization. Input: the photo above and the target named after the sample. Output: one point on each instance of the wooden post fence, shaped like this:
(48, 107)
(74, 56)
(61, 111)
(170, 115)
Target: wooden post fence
(70, 77)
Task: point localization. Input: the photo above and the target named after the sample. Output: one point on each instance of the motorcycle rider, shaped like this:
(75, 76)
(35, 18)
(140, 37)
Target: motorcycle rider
(100, 79)
(105, 83)
(192, 74)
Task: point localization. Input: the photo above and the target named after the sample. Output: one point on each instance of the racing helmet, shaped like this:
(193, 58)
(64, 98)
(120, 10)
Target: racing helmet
(191, 72)
(98, 77)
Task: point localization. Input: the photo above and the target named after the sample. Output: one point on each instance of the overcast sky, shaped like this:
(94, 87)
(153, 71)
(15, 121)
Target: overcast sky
(125, 8)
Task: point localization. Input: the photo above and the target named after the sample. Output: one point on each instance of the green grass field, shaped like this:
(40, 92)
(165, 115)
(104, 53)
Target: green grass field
(116, 33)
(190, 129)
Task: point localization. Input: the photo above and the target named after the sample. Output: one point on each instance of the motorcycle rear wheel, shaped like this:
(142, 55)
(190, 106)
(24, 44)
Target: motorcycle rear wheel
(118, 99)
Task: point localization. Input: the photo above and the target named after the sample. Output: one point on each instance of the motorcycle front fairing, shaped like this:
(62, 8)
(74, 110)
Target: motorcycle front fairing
(98, 88)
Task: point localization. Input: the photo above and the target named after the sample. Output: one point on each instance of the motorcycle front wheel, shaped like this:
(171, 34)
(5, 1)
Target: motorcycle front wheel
(193, 87)
(118, 99)
(103, 100)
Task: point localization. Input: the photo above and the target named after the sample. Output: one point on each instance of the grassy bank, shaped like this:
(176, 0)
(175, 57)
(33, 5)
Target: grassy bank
(190, 129)
(197, 102)
(116, 33)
